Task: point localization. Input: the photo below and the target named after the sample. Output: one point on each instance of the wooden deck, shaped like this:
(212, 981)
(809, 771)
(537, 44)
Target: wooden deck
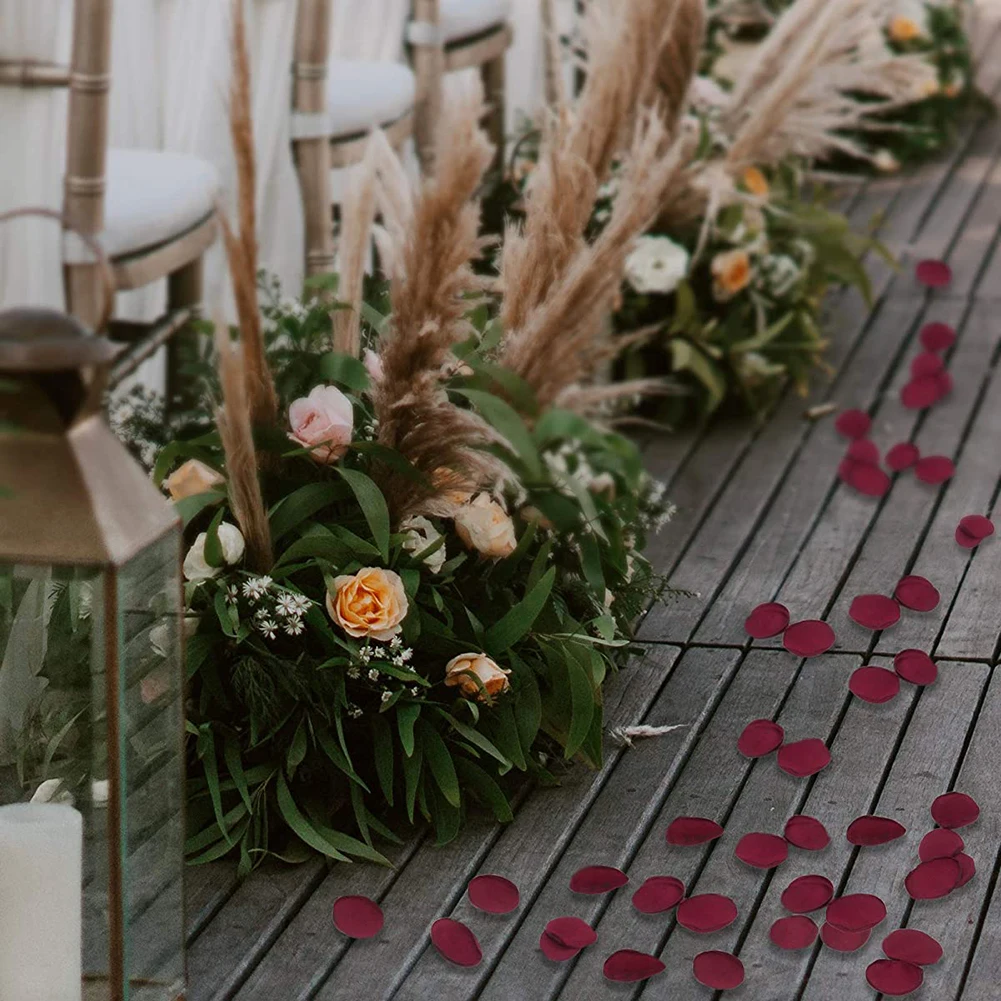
(761, 516)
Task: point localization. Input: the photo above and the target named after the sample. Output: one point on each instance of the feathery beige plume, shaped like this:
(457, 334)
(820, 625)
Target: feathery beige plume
(567, 337)
(433, 286)
(679, 59)
(358, 214)
(235, 423)
(241, 247)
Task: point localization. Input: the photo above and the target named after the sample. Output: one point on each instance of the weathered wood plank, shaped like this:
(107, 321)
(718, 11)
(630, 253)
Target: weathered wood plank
(922, 770)
(953, 921)
(766, 800)
(626, 825)
(434, 882)
(206, 889)
(900, 523)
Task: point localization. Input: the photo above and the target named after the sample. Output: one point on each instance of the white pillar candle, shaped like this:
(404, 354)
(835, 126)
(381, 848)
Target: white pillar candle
(41, 849)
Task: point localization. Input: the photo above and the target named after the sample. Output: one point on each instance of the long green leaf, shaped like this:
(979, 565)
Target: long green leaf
(303, 829)
(505, 419)
(382, 743)
(518, 620)
(301, 504)
(440, 762)
(581, 705)
(475, 738)
(486, 789)
(372, 504)
(234, 762)
(406, 716)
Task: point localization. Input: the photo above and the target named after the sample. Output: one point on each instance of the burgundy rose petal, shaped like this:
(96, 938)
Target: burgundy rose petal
(843, 941)
(937, 336)
(921, 392)
(553, 950)
(767, 620)
(722, 971)
(868, 479)
(456, 942)
(874, 611)
(493, 894)
(763, 851)
(760, 737)
(902, 456)
(944, 380)
(808, 638)
(659, 894)
(793, 933)
(915, 666)
(926, 363)
(917, 593)
(574, 933)
(954, 809)
(894, 978)
(597, 879)
(874, 684)
(864, 451)
(973, 529)
(807, 893)
(804, 757)
(934, 469)
(706, 912)
(912, 946)
(869, 831)
(933, 273)
(357, 917)
(934, 879)
(807, 833)
(692, 831)
(853, 423)
(856, 912)
(967, 869)
(627, 966)
(940, 843)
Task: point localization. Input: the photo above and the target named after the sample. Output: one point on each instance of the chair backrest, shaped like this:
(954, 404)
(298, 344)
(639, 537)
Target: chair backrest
(88, 80)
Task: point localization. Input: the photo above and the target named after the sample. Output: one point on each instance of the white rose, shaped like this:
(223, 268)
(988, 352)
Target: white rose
(658, 265)
(885, 161)
(421, 533)
(196, 567)
(485, 526)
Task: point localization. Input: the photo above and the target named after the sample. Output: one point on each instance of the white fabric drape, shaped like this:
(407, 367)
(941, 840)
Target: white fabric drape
(33, 143)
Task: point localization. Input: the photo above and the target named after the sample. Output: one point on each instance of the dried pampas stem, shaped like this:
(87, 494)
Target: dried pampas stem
(679, 59)
(241, 247)
(356, 230)
(234, 420)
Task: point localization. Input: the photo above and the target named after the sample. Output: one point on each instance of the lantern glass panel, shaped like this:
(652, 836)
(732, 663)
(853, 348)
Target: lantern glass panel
(91, 714)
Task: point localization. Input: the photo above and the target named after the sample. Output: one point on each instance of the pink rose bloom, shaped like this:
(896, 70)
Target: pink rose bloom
(322, 422)
(373, 365)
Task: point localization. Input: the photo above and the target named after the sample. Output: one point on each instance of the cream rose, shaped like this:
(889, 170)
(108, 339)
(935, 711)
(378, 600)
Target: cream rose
(657, 265)
(469, 668)
(421, 533)
(196, 567)
(322, 422)
(371, 603)
(191, 478)
(485, 526)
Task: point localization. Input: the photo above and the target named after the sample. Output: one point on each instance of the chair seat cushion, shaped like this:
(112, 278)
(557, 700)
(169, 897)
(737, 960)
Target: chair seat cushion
(464, 18)
(153, 197)
(362, 96)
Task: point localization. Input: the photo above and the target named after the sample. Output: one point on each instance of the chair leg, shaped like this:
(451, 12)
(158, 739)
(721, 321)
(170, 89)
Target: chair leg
(429, 69)
(84, 293)
(493, 76)
(184, 291)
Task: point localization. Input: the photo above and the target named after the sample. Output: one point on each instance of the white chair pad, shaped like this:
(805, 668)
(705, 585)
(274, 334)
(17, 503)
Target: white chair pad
(464, 18)
(362, 96)
(153, 197)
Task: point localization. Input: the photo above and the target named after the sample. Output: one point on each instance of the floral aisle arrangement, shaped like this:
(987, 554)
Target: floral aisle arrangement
(918, 128)
(409, 573)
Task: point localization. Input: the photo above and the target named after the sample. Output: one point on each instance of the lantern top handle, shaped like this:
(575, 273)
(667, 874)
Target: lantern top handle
(66, 343)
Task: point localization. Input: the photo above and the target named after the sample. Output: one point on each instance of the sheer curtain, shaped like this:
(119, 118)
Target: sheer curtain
(33, 127)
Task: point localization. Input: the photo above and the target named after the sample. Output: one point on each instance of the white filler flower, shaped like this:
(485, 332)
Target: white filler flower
(657, 265)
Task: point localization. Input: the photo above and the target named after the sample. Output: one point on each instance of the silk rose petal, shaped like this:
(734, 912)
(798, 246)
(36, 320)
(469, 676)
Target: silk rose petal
(371, 603)
(323, 422)
(192, 478)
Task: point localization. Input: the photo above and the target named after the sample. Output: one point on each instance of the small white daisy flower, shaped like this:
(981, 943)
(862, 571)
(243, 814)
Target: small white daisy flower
(386, 696)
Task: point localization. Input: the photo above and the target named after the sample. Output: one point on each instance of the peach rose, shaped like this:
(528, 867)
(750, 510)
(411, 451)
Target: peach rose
(904, 29)
(468, 668)
(191, 478)
(371, 603)
(731, 273)
(322, 422)
(756, 182)
(485, 526)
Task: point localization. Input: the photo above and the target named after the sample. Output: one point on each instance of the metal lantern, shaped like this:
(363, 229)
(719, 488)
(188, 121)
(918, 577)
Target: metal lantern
(91, 722)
